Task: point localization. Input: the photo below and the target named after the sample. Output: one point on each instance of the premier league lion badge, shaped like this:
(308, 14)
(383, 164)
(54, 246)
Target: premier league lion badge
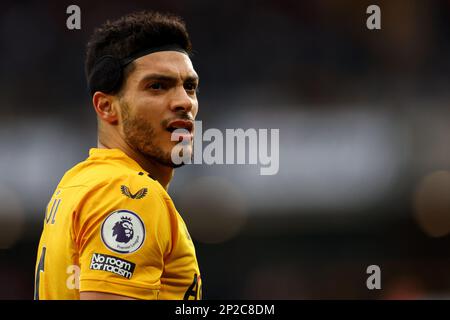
(123, 231)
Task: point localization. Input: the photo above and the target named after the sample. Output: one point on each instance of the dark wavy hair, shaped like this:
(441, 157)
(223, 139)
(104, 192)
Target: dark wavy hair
(129, 34)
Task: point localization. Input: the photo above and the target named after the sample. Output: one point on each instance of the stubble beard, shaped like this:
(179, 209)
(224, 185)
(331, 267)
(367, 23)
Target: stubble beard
(140, 136)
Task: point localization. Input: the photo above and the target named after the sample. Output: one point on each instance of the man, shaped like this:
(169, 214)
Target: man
(111, 230)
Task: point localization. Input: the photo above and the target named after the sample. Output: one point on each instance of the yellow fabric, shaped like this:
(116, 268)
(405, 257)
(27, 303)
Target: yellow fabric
(95, 196)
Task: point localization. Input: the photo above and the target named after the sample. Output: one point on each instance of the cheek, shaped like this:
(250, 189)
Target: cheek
(195, 108)
(148, 119)
(150, 109)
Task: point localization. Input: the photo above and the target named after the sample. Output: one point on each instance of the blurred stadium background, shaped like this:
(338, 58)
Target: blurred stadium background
(364, 119)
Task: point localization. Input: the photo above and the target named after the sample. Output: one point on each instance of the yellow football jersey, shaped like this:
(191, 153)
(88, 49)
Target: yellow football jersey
(109, 227)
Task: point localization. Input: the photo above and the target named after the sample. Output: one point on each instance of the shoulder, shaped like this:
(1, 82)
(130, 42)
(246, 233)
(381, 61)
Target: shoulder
(134, 186)
(123, 198)
(125, 189)
(122, 206)
(101, 186)
(117, 180)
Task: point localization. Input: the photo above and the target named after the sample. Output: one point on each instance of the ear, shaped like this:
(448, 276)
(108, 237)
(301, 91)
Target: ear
(104, 107)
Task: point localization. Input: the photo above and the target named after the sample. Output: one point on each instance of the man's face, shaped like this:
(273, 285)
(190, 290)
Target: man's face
(158, 97)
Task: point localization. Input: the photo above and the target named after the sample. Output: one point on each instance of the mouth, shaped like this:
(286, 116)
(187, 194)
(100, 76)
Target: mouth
(180, 124)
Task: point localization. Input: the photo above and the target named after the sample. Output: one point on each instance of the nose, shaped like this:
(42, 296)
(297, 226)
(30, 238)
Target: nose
(181, 101)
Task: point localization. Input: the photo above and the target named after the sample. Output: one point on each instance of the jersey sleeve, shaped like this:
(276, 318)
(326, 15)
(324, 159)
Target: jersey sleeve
(123, 232)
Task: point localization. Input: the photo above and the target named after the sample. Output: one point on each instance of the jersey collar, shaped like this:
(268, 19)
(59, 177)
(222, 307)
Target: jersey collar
(114, 154)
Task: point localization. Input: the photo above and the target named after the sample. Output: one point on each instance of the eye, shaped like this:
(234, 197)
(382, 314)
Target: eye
(190, 86)
(156, 86)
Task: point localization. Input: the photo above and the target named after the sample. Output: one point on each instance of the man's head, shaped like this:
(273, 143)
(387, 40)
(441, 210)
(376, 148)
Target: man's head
(142, 82)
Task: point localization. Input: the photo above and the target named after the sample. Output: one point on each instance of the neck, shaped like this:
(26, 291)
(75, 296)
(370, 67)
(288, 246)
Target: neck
(163, 174)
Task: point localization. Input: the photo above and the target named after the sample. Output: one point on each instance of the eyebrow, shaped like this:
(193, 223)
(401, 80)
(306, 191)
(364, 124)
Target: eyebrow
(164, 77)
